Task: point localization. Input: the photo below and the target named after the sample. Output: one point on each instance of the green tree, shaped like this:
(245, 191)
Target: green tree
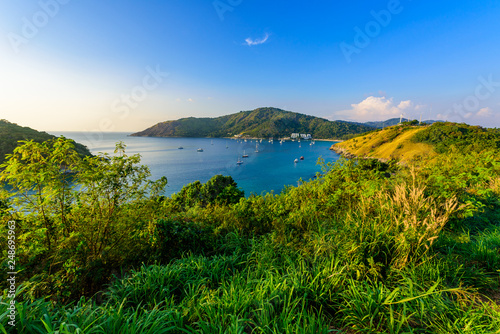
(80, 219)
(220, 190)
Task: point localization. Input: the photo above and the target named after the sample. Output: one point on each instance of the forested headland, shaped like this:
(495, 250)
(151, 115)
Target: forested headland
(11, 134)
(258, 123)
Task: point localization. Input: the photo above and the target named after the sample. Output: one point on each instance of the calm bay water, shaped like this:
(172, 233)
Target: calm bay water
(271, 168)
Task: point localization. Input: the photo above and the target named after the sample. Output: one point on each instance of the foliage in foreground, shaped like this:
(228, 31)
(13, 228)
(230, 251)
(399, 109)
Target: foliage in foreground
(367, 247)
(11, 133)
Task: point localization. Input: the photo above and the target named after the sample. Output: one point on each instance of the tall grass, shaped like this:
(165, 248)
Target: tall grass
(270, 289)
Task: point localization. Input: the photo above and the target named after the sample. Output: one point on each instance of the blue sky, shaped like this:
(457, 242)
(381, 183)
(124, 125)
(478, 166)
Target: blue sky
(126, 65)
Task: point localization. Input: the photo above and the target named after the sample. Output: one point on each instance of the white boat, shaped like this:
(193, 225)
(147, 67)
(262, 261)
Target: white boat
(244, 155)
(239, 162)
(200, 150)
(211, 142)
(296, 160)
(256, 148)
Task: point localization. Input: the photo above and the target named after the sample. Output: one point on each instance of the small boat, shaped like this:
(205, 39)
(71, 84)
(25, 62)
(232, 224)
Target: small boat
(256, 148)
(302, 158)
(211, 142)
(200, 150)
(180, 147)
(244, 155)
(296, 160)
(239, 162)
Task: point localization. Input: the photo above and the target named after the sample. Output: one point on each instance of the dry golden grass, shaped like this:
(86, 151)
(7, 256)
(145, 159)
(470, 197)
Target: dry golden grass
(495, 185)
(390, 143)
(406, 213)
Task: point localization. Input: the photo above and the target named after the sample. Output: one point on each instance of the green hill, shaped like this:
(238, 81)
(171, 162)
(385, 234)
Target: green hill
(11, 133)
(261, 122)
(409, 141)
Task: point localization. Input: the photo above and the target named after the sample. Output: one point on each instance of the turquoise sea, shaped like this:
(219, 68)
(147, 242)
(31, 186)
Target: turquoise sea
(271, 169)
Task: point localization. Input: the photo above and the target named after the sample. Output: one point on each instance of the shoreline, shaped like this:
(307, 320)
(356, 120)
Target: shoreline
(241, 138)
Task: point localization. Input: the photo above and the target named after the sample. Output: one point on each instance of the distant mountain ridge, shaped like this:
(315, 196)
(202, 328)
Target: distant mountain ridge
(261, 122)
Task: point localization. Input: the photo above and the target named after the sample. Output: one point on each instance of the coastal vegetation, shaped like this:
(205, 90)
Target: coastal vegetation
(259, 123)
(369, 246)
(11, 134)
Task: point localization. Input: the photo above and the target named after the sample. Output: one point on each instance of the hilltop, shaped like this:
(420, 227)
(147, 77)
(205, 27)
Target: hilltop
(409, 141)
(11, 133)
(393, 121)
(261, 122)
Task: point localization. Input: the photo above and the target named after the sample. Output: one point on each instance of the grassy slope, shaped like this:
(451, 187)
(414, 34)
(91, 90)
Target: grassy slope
(391, 143)
(334, 260)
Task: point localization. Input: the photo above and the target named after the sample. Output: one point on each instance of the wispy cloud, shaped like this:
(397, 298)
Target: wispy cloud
(250, 41)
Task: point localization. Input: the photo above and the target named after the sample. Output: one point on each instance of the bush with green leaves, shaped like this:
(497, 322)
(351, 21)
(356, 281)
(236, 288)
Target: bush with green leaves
(79, 220)
(219, 190)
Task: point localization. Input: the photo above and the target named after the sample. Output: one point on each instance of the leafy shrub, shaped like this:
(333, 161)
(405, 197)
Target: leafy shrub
(176, 236)
(219, 190)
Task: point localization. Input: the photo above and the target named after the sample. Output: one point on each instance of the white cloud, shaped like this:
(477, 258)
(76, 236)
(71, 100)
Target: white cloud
(249, 41)
(377, 108)
(404, 104)
(484, 112)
